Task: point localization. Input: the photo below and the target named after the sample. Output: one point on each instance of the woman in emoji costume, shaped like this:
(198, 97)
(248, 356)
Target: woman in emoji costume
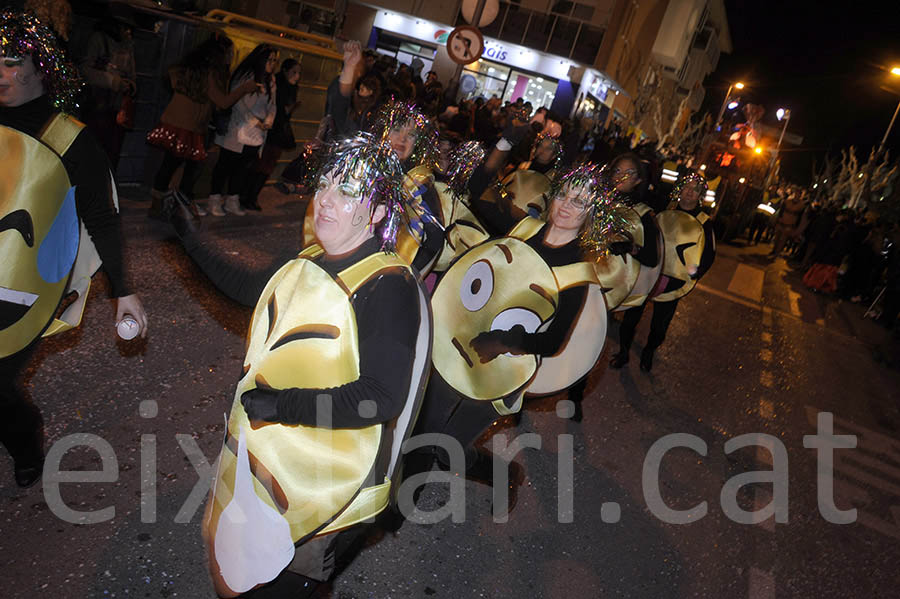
(337, 355)
(524, 191)
(57, 220)
(414, 139)
(690, 248)
(522, 314)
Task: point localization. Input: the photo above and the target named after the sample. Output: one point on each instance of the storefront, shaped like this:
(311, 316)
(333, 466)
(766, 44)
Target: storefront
(505, 70)
(405, 50)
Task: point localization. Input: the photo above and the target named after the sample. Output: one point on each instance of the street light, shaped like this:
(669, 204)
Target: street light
(737, 85)
(783, 114)
(757, 150)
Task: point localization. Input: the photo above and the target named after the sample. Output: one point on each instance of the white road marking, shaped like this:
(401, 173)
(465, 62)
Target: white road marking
(794, 301)
(871, 464)
(747, 281)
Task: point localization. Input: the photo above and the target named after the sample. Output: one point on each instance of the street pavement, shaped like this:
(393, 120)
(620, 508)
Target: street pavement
(751, 355)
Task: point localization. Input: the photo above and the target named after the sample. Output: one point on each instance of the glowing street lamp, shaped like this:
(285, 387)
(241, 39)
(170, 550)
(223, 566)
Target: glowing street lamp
(871, 164)
(737, 85)
(757, 150)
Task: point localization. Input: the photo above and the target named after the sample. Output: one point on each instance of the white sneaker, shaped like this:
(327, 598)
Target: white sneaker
(214, 205)
(233, 205)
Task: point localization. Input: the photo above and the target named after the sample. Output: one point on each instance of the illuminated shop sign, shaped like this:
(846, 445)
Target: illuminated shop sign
(509, 54)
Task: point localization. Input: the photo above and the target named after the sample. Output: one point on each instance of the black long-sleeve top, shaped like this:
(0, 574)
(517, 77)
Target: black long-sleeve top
(387, 318)
(88, 169)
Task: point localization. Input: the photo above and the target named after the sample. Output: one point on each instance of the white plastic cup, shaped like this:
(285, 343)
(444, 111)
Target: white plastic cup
(128, 328)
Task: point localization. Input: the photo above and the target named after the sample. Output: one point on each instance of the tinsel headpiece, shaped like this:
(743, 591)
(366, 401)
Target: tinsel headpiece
(395, 114)
(24, 35)
(690, 177)
(462, 162)
(375, 166)
(606, 218)
(557, 148)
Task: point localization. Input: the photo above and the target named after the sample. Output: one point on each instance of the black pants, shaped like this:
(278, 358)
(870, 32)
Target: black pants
(168, 167)
(231, 169)
(444, 411)
(659, 324)
(21, 425)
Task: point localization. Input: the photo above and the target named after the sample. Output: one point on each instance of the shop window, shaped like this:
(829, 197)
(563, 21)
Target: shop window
(588, 44)
(563, 36)
(516, 24)
(538, 33)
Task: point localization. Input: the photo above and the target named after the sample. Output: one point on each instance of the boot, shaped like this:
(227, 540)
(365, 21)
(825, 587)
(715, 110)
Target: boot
(647, 359)
(233, 205)
(619, 360)
(214, 204)
(157, 205)
(250, 197)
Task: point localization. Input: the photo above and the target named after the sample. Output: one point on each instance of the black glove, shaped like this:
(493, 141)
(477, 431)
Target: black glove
(261, 404)
(620, 248)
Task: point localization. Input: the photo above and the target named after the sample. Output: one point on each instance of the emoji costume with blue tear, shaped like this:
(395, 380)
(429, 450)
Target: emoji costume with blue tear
(47, 250)
(355, 328)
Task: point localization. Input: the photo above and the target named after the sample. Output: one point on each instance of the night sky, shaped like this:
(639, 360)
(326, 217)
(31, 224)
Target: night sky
(826, 61)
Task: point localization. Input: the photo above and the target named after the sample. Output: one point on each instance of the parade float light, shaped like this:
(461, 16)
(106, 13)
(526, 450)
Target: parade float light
(702, 167)
(710, 198)
(757, 150)
(766, 208)
(733, 105)
(742, 180)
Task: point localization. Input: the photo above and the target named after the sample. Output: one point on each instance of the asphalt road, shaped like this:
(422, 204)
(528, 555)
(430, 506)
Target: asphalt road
(750, 352)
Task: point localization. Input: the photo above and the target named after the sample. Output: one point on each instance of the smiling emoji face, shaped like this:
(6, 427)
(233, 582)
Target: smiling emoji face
(39, 234)
(494, 286)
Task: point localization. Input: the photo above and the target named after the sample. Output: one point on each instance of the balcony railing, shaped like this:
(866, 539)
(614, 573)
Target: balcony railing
(546, 32)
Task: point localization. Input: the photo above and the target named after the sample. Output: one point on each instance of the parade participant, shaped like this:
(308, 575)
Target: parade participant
(629, 175)
(335, 366)
(414, 139)
(57, 222)
(521, 314)
(521, 193)
(199, 82)
(462, 229)
(690, 248)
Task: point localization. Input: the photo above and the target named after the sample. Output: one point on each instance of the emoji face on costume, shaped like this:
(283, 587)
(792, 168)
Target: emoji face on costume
(494, 286)
(39, 235)
(684, 243)
(290, 479)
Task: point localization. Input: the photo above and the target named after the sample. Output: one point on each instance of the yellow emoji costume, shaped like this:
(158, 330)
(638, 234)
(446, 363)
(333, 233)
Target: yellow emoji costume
(496, 286)
(337, 356)
(52, 254)
(685, 243)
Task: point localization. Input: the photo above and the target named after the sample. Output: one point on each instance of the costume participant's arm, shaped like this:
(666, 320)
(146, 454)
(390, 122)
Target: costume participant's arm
(386, 310)
(709, 249)
(95, 55)
(434, 236)
(88, 169)
(648, 254)
(239, 282)
(490, 344)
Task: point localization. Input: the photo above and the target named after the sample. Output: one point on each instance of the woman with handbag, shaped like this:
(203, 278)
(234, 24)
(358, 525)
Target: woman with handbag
(251, 118)
(199, 83)
(280, 138)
